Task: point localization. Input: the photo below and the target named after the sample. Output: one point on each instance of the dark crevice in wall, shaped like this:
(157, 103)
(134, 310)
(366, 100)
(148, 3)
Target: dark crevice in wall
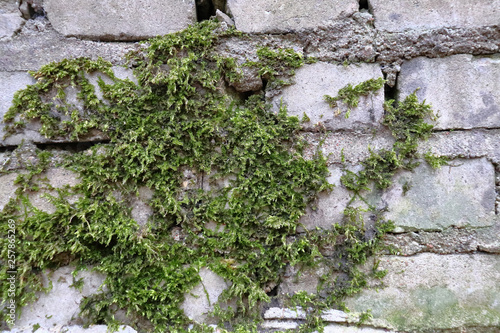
(32, 9)
(205, 9)
(73, 147)
(5, 149)
(274, 291)
(363, 4)
(391, 92)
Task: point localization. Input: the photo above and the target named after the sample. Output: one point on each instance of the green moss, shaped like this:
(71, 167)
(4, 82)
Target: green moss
(178, 118)
(350, 94)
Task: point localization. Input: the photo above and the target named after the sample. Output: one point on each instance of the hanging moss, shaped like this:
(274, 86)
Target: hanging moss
(253, 184)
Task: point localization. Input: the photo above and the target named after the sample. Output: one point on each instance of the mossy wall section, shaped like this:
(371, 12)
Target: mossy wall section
(286, 223)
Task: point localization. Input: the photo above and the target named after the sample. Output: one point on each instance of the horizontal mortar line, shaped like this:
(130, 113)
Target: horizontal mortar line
(466, 129)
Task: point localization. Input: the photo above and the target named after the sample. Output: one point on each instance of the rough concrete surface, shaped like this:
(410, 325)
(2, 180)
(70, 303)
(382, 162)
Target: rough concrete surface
(119, 20)
(400, 15)
(461, 195)
(313, 82)
(430, 291)
(463, 90)
(61, 305)
(268, 16)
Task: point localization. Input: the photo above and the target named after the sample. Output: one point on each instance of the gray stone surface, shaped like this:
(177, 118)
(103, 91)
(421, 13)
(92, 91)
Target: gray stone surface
(432, 292)
(10, 24)
(120, 20)
(202, 298)
(354, 146)
(266, 16)
(467, 144)
(10, 82)
(314, 81)
(298, 313)
(460, 195)
(400, 15)
(11, 20)
(448, 241)
(57, 178)
(7, 188)
(297, 279)
(141, 210)
(72, 329)
(38, 44)
(330, 206)
(464, 90)
(61, 305)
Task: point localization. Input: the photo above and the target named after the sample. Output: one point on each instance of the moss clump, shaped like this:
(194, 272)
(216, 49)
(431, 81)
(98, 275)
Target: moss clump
(177, 118)
(406, 121)
(251, 181)
(350, 94)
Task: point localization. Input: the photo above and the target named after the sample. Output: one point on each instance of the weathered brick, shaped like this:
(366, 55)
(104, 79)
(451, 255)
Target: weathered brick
(400, 15)
(266, 16)
(463, 89)
(432, 292)
(461, 194)
(120, 20)
(313, 82)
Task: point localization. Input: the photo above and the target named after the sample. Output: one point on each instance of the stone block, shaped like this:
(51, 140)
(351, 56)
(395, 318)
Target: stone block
(57, 178)
(10, 24)
(464, 90)
(431, 292)
(271, 16)
(61, 305)
(467, 144)
(296, 279)
(330, 206)
(315, 81)
(401, 15)
(202, 298)
(10, 82)
(119, 20)
(7, 188)
(460, 195)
